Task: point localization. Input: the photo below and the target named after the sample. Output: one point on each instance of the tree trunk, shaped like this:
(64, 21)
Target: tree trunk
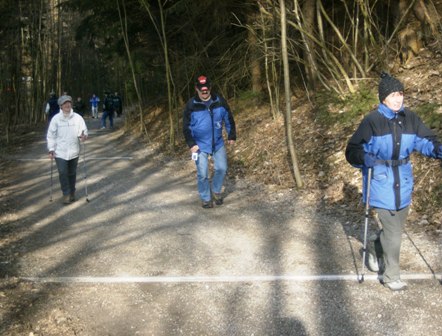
(288, 109)
(255, 65)
(168, 79)
(163, 39)
(123, 23)
(308, 16)
(267, 63)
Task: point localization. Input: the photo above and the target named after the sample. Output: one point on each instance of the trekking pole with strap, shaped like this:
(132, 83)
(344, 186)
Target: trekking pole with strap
(367, 215)
(85, 172)
(52, 170)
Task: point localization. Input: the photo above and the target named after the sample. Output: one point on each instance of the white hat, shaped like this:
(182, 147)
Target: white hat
(64, 99)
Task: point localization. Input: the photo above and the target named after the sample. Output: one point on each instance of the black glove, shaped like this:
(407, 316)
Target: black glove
(369, 160)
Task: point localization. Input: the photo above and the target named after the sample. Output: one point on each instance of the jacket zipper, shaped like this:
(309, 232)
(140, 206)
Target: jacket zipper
(213, 129)
(395, 156)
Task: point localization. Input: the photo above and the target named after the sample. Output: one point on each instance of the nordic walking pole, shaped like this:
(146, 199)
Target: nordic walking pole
(367, 214)
(52, 169)
(85, 172)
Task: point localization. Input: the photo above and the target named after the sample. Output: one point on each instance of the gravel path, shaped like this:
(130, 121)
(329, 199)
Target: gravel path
(143, 258)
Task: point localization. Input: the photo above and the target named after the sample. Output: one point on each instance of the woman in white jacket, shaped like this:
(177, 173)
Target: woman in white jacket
(65, 132)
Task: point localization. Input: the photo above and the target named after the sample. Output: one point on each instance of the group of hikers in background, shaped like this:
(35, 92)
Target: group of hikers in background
(112, 104)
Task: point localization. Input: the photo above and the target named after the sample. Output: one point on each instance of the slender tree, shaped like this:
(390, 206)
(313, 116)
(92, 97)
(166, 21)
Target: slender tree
(287, 94)
(123, 22)
(161, 31)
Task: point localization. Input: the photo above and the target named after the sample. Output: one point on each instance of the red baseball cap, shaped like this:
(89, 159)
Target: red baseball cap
(203, 83)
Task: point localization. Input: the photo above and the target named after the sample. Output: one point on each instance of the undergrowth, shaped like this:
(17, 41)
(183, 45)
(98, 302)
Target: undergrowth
(331, 109)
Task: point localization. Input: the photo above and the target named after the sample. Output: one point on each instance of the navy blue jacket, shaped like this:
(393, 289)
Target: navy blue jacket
(391, 137)
(203, 126)
(53, 107)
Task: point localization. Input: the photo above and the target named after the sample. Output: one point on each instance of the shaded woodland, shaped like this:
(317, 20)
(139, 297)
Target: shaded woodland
(151, 51)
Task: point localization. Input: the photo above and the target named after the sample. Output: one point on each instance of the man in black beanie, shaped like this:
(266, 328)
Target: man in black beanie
(383, 143)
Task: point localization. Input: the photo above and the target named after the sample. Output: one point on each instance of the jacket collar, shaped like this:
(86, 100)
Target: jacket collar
(388, 113)
(70, 115)
(213, 98)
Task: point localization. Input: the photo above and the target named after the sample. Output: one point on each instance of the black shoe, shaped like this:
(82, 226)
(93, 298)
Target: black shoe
(218, 197)
(207, 204)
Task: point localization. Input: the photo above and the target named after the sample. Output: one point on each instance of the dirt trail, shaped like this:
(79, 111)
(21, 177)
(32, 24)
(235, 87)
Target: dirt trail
(143, 258)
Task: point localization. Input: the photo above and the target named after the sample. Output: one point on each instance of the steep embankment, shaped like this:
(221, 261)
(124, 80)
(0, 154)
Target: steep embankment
(320, 140)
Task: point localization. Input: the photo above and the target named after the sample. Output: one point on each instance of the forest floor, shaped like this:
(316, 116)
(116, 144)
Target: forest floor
(143, 258)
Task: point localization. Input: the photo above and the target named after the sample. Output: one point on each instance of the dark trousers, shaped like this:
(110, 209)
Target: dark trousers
(67, 174)
(105, 115)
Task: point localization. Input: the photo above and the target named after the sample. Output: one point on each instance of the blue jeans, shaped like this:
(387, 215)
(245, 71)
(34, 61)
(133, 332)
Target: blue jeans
(106, 114)
(67, 174)
(202, 170)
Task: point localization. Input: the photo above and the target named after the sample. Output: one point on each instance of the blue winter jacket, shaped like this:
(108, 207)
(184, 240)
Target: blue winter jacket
(391, 137)
(203, 126)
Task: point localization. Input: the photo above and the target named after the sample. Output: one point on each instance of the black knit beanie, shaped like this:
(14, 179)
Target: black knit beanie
(387, 85)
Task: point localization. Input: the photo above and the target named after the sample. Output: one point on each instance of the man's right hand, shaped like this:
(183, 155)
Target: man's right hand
(194, 149)
(369, 160)
(51, 155)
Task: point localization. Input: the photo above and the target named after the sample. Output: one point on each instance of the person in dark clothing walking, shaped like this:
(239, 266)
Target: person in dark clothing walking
(204, 117)
(80, 107)
(52, 107)
(108, 111)
(118, 104)
(383, 142)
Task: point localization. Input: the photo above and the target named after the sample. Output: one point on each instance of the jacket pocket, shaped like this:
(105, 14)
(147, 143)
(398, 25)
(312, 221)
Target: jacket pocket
(407, 180)
(380, 173)
(381, 191)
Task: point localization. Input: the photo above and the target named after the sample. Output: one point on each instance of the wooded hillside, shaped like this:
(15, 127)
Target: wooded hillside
(151, 52)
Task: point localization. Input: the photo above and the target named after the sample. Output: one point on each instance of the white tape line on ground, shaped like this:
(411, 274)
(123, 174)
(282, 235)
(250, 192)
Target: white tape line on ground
(232, 279)
(110, 158)
(88, 158)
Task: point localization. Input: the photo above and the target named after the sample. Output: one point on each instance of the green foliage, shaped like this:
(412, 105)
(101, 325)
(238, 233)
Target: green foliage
(248, 95)
(332, 109)
(428, 113)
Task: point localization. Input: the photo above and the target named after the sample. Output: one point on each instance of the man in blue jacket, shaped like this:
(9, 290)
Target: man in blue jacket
(204, 117)
(94, 101)
(383, 142)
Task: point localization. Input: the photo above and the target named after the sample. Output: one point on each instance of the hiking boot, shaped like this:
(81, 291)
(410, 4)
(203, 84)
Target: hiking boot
(72, 197)
(66, 199)
(397, 285)
(207, 204)
(372, 262)
(218, 197)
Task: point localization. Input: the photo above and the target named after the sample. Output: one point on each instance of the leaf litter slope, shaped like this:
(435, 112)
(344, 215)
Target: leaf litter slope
(144, 220)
